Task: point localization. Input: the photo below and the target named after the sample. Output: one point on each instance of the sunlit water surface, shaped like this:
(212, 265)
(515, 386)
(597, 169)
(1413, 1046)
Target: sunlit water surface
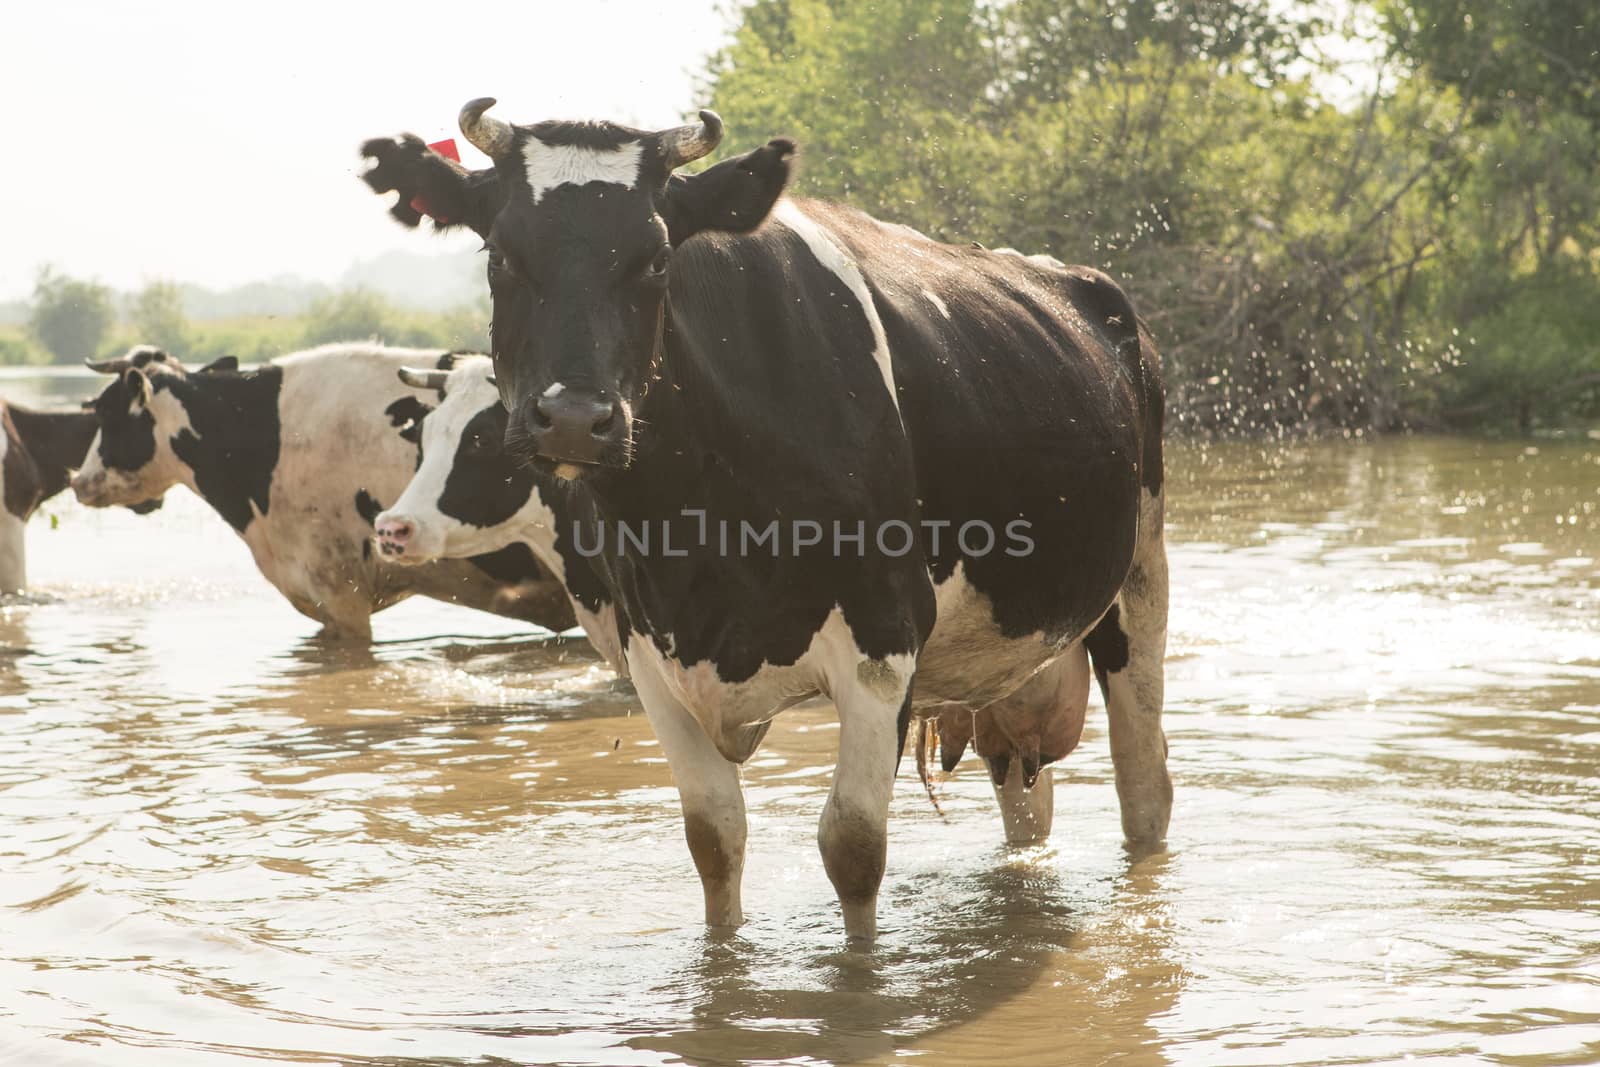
(220, 841)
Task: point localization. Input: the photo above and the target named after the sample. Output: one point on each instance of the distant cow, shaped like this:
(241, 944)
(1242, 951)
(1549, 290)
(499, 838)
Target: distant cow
(468, 497)
(38, 450)
(299, 456)
(949, 460)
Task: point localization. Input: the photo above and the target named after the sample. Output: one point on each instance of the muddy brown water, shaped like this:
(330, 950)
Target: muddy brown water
(221, 842)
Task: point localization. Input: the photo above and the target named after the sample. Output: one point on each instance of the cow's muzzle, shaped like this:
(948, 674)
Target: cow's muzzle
(579, 426)
(92, 489)
(397, 538)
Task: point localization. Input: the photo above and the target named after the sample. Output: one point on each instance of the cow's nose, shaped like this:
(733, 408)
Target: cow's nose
(576, 425)
(84, 486)
(394, 534)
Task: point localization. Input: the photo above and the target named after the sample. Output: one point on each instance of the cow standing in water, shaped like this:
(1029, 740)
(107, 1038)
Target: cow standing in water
(38, 452)
(698, 354)
(469, 496)
(299, 456)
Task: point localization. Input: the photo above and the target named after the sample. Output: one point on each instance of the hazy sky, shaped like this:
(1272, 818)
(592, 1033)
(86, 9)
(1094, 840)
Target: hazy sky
(215, 142)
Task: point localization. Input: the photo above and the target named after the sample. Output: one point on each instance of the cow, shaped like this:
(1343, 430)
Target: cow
(299, 456)
(38, 452)
(467, 498)
(949, 460)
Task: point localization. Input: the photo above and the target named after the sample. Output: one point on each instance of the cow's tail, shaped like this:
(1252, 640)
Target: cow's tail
(928, 739)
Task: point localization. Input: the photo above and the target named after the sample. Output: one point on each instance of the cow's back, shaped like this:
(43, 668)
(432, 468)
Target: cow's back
(1031, 398)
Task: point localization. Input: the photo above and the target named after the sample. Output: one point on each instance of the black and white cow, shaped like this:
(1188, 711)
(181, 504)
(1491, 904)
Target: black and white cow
(38, 452)
(299, 456)
(468, 498)
(950, 458)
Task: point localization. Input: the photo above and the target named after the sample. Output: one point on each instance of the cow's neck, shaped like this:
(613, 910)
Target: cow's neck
(679, 421)
(231, 443)
(688, 458)
(58, 441)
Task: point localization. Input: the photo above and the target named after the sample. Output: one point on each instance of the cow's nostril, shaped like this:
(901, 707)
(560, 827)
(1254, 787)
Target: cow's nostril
(575, 424)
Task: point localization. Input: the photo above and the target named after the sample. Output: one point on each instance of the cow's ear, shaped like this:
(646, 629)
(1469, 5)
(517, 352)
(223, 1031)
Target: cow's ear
(220, 363)
(429, 184)
(137, 386)
(734, 196)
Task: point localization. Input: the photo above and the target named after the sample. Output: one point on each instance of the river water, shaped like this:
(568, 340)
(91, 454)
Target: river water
(222, 842)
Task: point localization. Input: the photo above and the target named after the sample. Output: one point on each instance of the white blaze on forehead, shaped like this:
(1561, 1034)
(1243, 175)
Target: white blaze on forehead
(831, 256)
(550, 165)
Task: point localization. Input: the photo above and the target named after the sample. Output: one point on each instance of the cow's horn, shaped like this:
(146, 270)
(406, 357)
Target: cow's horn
(423, 379)
(490, 136)
(688, 143)
(108, 366)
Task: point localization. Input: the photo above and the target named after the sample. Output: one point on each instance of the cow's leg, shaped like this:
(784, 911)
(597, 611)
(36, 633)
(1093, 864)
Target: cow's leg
(13, 553)
(346, 620)
(708, 787)
(874, 713)
(1128, 648)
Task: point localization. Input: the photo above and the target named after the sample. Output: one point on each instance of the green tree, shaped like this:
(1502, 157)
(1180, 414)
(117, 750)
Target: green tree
(467, 326)
(1274, 240)
(158, 318)
(349, 315)
(20, 352)
(69, 317)
(1507, 56)
(1520, 269)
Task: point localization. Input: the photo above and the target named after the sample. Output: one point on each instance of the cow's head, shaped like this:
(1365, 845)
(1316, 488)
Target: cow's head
(131, 462)
(580, 233)
(468, 496)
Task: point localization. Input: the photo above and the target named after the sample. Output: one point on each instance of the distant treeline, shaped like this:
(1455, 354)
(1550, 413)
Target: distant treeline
(71, 320)
(1357, 216)
(402, 297)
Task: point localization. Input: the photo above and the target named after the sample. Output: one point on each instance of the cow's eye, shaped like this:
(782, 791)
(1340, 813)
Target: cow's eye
(657, 269)
(500, 269)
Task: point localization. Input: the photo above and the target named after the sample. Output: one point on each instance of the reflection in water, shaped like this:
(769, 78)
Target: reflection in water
(224, 840)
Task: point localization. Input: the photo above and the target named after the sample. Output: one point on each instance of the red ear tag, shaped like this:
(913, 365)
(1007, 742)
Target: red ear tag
(447, 149)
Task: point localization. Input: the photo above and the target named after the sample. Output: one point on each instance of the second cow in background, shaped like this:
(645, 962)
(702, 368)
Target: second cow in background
(299, 456)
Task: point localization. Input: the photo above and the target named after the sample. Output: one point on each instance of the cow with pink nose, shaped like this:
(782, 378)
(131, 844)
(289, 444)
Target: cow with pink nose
(468, 497)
